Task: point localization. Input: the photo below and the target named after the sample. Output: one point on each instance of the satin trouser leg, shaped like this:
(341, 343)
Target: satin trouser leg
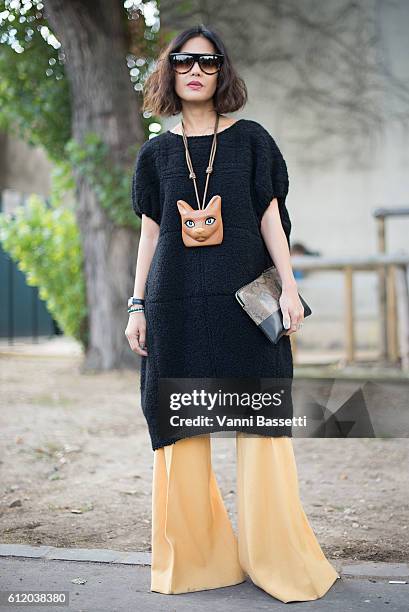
(193, 544)
(277, 546)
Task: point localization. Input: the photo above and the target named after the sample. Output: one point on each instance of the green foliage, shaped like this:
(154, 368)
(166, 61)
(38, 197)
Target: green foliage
(34, 93)
(35, 101)
(110, 182)
(44, 241)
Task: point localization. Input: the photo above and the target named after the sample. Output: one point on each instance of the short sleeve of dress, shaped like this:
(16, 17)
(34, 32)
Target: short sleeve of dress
(270, 177)
(145, 184)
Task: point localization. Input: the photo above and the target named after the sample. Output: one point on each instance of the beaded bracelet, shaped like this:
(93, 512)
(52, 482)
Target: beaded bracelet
(136, 310)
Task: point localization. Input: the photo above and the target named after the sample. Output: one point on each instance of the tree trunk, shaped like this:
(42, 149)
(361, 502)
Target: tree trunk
(93, 38)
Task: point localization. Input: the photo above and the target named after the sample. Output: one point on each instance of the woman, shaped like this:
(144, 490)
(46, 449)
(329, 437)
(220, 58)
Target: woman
(184, 321)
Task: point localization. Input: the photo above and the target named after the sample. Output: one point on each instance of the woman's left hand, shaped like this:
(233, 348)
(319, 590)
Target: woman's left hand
(292, 309)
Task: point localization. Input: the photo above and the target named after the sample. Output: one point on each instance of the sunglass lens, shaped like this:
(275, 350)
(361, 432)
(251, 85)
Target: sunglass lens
(210, 63)
(182, 62)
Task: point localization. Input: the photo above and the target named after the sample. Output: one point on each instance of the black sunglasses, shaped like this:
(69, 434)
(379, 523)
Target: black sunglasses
(208, 62)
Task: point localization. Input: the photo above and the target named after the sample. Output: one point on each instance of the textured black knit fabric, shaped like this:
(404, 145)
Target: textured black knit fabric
(195, 326)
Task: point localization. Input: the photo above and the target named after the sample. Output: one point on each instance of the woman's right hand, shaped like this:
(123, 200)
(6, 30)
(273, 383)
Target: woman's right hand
(136, 332)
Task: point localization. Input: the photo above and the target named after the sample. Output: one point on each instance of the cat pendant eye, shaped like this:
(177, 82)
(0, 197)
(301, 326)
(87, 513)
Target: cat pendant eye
(202, 226)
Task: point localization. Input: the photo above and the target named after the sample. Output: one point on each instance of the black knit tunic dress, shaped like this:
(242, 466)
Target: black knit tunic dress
(195, 326)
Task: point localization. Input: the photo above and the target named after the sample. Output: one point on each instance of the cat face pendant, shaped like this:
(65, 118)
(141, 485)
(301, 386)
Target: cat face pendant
(202, 227)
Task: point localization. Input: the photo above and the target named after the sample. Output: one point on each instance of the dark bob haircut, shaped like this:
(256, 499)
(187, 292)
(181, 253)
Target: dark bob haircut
(160, 97)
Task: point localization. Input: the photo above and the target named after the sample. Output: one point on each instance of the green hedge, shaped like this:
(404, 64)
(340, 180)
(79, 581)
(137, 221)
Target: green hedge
(44, 241)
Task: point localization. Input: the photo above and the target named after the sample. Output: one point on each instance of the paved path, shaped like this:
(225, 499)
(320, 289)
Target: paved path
(120, 582)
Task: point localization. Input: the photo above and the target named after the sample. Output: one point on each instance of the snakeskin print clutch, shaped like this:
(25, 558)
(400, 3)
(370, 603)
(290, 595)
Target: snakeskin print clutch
(260, 299)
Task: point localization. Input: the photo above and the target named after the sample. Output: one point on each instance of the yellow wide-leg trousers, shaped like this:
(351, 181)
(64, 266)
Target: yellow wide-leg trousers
(194, 546)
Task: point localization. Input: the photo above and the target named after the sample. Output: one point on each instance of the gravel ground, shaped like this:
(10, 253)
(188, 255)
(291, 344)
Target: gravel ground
(77, 466)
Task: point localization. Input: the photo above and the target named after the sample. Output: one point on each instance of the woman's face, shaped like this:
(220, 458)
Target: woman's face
(208, 82)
